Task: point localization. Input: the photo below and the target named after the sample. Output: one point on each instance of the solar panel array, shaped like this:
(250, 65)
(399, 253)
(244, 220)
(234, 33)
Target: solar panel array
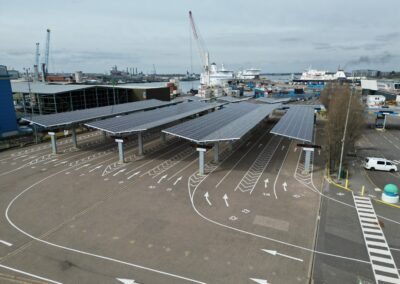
(85, 115)
(297, 123)
(231, 99)
(142, 121)
(230, 123)
(273, 100)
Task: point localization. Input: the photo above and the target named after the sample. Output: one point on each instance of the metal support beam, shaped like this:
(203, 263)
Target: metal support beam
(120, 150)
(216, 152)
(53, 142)
(104, 135)
(307, 161)
(201, 160)
(163, 137)
(74, 139)
(140, 144)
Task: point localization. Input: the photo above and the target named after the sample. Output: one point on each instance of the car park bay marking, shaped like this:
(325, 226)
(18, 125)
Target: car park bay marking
(260, 281)
(383, 265)
(274, 252)
(95, 168)
(5, 243)
(135, 174)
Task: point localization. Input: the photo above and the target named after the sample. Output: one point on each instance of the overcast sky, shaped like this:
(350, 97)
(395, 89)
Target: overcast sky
(273, 35)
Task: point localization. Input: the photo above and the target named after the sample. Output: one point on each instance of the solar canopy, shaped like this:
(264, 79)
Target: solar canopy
(273, 100)
(142, 121)
(231, 99)
(229, 123)
(296, 123)
(85, 115)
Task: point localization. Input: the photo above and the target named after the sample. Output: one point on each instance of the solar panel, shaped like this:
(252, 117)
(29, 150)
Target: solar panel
(141, 121)
(80, 116)
(297, 123)
(273, 100)
(231, 99)
(230, 123)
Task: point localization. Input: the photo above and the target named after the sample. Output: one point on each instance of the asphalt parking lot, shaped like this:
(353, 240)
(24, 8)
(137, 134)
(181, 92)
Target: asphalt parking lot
(81, 217)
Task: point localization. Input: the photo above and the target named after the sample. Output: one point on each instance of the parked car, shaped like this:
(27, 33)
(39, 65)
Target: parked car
(379, 164)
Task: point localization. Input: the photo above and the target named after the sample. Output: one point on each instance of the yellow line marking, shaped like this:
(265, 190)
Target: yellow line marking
(386, 203)
(362, 190)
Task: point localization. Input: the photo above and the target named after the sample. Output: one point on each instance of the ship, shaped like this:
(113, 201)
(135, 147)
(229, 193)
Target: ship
(249, 74)
(317, 76)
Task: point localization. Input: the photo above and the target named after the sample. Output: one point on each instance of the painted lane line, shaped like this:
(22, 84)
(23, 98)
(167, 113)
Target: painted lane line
(225, 198)
(280, 169)
(81, 167)
(161, 179)
(375, 242)
(177, 180)
(6, 243)
(207, 195)
(29, 274)
(184, 168)
(120, 171)
(135, 174)
(95, 168)
(274, 252)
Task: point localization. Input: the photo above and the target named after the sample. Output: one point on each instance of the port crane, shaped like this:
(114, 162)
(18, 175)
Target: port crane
(204, 55)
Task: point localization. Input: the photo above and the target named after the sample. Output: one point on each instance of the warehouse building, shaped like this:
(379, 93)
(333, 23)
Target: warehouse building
(40, 98)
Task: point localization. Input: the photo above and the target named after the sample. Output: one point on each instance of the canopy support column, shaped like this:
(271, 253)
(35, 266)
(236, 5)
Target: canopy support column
(120, 150)
(163, 137)
(201, 160)
(53, 142)
(307, 161)
(104, 134)
(140, 143)
(230, 145)
(216, 152)
(74, 139)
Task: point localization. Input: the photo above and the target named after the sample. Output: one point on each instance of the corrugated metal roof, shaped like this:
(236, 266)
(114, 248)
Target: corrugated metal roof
(142, 121)
(85, 115)
(230, 123)
(42, 88)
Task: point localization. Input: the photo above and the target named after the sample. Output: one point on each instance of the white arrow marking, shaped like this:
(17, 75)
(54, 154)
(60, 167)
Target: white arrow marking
(284, 185)
(177, 180)
(134, 175)
(266, 181)
(283, 147)
(120, 171)
(5, 243)
(319, 151)
(98, 167)
(127, 281)
(295, 149)
(259, 281)
(259, 145)
(206, 195)
(274, 252)
(225, 197)
(163, 177)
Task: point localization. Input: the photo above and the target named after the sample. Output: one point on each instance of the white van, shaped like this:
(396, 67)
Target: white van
(379, 164)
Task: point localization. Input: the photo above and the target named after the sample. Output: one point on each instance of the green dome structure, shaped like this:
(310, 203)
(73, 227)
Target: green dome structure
(391, 189)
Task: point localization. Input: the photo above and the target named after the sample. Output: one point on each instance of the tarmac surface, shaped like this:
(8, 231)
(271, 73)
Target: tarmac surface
(254, 217)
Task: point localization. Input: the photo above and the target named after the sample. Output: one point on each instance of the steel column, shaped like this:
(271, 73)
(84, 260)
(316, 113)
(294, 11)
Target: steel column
(307, 161)
(201, 160)
(74, 139)
(53, 142)
(120, 150)
(140, 144)
(216, 152)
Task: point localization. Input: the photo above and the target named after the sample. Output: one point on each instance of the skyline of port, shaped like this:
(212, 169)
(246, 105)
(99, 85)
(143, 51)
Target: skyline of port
(276, 37)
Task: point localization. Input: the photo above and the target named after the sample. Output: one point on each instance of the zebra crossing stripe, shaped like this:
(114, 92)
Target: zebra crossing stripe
(382, 263)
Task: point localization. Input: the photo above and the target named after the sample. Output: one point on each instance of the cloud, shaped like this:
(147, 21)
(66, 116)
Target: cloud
(383, 58)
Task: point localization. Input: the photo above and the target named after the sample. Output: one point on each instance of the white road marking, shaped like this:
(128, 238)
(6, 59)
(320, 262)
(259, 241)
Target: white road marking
(127, 281)
(375, 237)
(280, 169)
(29, 274)
(284, 186)
(266, 181)
(283, 147)
(225, 198)
(260, 145)
(5, 243)
(206, 195)
(161, 179)
(260, 281)
(131, 176)
(120, 171)
(274, 252)
(95, 168)
(76, 250)
(81, 167)
(63, 162)
(177, 180)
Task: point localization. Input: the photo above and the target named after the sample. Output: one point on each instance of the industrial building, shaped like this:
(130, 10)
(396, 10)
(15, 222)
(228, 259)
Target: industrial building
(8, 119)
(40, 98)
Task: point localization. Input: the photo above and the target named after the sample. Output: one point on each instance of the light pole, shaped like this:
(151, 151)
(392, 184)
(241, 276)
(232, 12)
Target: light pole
(345, 130)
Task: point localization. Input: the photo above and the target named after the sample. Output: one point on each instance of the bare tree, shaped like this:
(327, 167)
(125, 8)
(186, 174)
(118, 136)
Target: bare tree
(336, 98)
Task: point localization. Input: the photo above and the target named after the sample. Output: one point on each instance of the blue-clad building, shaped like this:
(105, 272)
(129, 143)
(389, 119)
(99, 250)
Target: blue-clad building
(8, 118)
